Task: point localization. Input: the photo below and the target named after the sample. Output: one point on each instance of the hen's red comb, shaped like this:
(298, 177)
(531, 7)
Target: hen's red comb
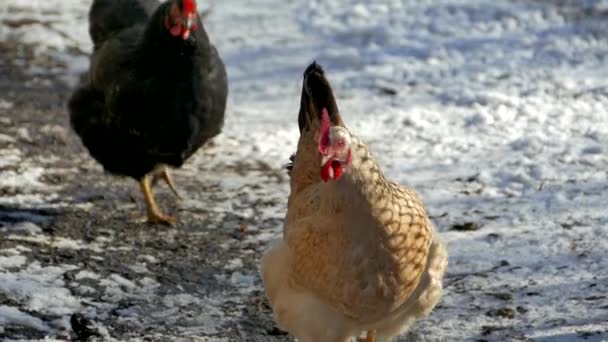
(189, 6)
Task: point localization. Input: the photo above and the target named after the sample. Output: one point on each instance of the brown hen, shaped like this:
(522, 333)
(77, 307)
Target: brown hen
(359, 253)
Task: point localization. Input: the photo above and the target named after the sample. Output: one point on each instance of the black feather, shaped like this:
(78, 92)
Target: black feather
(109, 17)
(316, 94)
(149, 98)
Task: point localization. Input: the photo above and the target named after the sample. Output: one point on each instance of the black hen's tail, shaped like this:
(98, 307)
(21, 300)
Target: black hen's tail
(108, 17)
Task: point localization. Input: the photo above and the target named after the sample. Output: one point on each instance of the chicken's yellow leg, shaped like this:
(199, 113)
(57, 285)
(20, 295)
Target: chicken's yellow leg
(167, 178)
(154, 214)
(164, 175)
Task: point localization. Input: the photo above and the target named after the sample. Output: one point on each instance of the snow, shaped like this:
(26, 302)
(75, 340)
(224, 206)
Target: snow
(62, 243)
(22, 227)
(10, 315)
(243, 281)
(495, 112)
(7, 262)
(42, 288)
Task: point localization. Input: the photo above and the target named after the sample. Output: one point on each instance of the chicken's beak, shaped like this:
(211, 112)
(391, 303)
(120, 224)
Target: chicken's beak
(187, 26)
(343, 160)
(185, 32)
(325, 159)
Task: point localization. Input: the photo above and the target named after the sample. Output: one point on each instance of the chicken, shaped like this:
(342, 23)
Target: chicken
(154, 94)
(359, 253)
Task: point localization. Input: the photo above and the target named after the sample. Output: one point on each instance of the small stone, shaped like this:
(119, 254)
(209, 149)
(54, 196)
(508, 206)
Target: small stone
(502, 295)
(506, 313)
(466, 227)
(81, 327)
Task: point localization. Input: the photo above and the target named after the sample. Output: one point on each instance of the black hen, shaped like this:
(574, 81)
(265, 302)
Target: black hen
(155, 92)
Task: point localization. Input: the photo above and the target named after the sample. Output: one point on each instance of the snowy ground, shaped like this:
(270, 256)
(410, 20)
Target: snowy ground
(496, 112)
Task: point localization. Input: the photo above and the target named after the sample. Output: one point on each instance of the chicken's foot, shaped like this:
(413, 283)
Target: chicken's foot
(165, 176)
(154, 214)
(371, 336)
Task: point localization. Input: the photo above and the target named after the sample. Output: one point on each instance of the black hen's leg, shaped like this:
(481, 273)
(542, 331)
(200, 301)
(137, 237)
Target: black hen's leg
(166, 177)
(154, 214)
